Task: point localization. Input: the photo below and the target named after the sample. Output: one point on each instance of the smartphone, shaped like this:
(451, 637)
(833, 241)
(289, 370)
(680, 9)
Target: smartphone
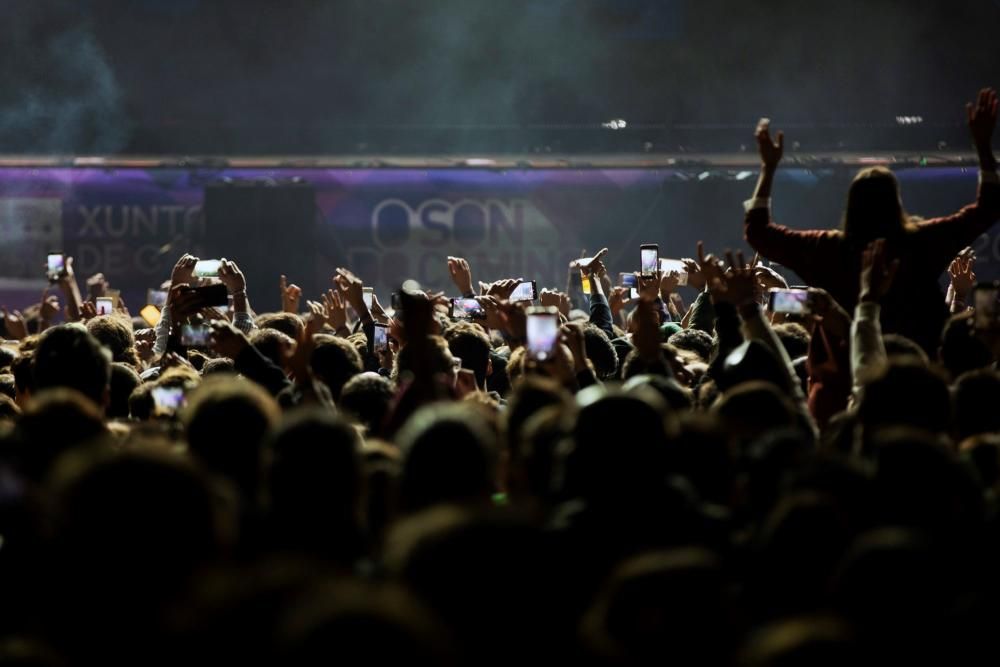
(207, 268)
(195, 335)
(789, 301)
(156, 297)
(366, 294)
(150, 315)
(585, 283)
(629, 280)
(649, 258)
(984, 298)
(675, 266)
(543, 332)
(105, 305)
(467, 309)
(211, 296)
(55, 264)
(380, 339)
(526, 291)
(168, 399)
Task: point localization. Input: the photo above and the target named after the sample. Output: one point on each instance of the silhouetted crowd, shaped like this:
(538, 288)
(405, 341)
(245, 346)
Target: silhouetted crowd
(603, 474)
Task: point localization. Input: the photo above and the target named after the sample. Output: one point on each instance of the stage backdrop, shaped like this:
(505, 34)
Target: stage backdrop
(388, 224)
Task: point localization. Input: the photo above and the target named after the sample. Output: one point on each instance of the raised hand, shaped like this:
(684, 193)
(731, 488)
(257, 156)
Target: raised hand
(695, 278)
(317, 317)
(290, 295)
(231, 276)
(572, 337)
(709, 266)
(963, 278)
(649, 285)
(88, 310)
(737, 285)
(67, 276)
(97, 285)
(183, 271)
(515, 322)
(555, 298)
(182, 301)
(586, 263)
(352, 289)
(461, 275)
(494, 318)
(770, 151)
(618, 298)
(768, 278)
(876, 274)
(49, 308)
(227, 341)
(829, 313)
(982, 117)
(378, 312)
(336, 313)
(14, 322)
(501, 289)
(668, 283)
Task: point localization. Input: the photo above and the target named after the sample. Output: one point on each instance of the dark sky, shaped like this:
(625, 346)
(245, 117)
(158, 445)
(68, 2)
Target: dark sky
(298, 76)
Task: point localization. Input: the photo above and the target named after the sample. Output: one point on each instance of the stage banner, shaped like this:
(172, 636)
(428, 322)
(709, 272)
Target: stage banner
(392, 224)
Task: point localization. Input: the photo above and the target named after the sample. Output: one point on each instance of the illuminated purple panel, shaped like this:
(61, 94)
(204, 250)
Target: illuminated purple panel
(388, 224)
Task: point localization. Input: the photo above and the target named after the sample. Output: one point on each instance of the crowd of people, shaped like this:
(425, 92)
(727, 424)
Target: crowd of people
(713, 484)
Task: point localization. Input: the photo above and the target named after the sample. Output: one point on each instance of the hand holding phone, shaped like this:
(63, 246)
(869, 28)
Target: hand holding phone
(104, 305)
(790, 301)
(467, 309)
(584, 263)
(55, 266)
(543, 332)
(380, 339)
(525, 291)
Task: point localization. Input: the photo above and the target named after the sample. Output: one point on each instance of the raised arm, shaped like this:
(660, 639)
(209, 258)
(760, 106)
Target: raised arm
(982, 117)
(789, 247)
(771, 153)
(947, 236)
(868, 353)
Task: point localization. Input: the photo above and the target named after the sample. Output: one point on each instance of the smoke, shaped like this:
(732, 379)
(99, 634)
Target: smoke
(60, 91)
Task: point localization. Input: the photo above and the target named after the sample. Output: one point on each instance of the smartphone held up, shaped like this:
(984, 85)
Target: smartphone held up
(790, 301)
(55, 266)
(525, 291)
(543, 332)
(467, 309)
(649, 258)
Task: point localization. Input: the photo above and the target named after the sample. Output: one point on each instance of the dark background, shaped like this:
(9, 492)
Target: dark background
(409, 76)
